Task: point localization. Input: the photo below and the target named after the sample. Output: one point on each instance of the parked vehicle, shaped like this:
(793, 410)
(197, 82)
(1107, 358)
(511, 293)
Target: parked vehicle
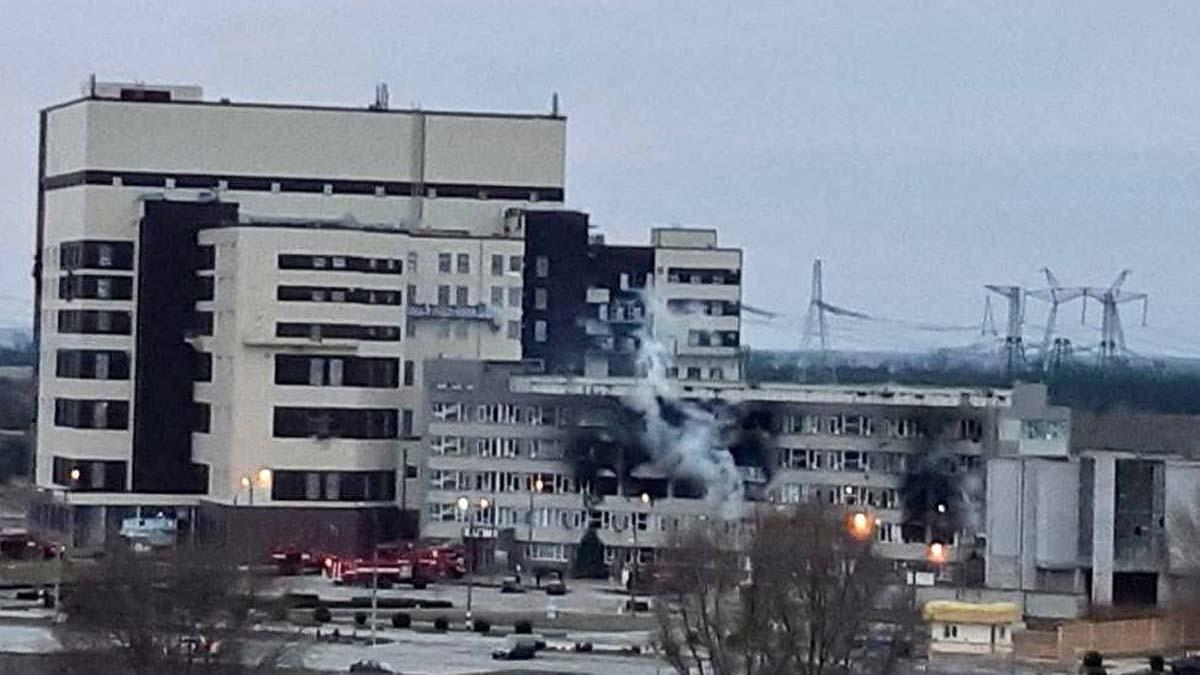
(555, 587)
(372, 667)
(511, 584)
(292, 560)
(517, 648)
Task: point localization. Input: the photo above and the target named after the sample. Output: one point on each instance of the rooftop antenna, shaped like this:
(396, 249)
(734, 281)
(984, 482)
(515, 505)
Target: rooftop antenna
(1014, 342)
(381, 97)
(1112, 335)
(1055, 294)
(554, 105)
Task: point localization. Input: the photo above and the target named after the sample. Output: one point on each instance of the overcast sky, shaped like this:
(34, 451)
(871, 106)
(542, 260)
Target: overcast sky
(921, 149)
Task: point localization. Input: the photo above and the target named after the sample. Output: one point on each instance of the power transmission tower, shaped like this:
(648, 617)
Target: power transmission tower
(987, 326)
(815, 321)
(1055, 294)
(1014, 342)
(1112, 334)
(816, 325)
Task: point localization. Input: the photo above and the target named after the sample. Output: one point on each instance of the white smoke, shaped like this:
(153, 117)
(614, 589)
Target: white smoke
(691, 447)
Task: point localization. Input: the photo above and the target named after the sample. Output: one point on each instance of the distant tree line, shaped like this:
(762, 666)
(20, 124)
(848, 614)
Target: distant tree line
(20, 355)
(1152, 388)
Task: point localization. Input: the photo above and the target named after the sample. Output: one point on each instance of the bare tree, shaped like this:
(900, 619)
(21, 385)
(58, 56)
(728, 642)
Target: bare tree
(154, 614)
(806, 601)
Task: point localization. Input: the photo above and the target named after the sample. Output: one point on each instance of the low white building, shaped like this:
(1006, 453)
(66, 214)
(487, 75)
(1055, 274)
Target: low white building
(971, 628)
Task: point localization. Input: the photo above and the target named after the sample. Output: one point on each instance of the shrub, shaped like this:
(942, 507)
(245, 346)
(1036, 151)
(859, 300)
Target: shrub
(322, 615)
(441, 623)
(401, 620)
(481, 626)
(523, 628)
(1093, 660)
(360, 618)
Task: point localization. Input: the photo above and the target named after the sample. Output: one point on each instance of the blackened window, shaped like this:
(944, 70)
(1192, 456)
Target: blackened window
(542, 266)
(91, 414)
(406, 424)
(202, 367)
(463, 263)
(409, 373)
(461, 296)
(95, 287)
(497, 265)
(515, 263)
(93, 322)
(353, 423)
(95, 254)
(201, 417)
(89, 474)
(92, 364)
(444, 263)
(443, 295)
(346, 486)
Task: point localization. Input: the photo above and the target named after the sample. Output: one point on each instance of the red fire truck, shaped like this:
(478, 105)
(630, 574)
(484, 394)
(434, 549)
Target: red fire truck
(396, 564)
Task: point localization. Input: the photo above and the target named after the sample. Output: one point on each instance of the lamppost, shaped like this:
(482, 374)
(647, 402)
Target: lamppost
(637, 553)
(536, 488)
(261, 478)
(464, 507)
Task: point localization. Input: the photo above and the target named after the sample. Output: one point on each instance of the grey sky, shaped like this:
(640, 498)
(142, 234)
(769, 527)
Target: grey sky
(922, 149)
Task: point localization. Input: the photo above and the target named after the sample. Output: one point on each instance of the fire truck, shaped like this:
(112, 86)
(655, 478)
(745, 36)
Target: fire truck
(396, 564)
(292, 560)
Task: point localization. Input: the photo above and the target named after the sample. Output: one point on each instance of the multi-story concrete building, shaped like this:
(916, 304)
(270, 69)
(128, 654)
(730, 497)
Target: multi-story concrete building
(587, 300)
(554, 455)
(235, 300)
(1093, 508)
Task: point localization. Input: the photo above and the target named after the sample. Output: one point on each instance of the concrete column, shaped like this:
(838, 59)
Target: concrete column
(1029, 524)
(1104, 507)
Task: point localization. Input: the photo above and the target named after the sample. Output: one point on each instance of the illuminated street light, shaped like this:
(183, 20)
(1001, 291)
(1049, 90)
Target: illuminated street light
(246, 481)
(645, 498)
(75, 474)
(463, 504)
(264, 477)
(941, 507)
(937, 553)
(861, 526)
(484, 503)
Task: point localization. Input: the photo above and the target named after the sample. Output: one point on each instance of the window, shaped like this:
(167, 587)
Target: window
(88, 364)
(443, 296)
(513, 331)
(515, 263)
(464, 263)
(97, 287)
(542, 266)
(337, 331)
(497, 265)
(716, 374)
(201, 417)
(409, 373)
(350, 423)
(412, 262)
(411, 292)
(539, 298)
(356, 486)
(82, 475)
(539, 331)
(514, 296)
(497, 296)
(116, 255)
(91, 414)
(406, 422)
(461, 296)
(94, 322)
(444, 262)
(693, 373)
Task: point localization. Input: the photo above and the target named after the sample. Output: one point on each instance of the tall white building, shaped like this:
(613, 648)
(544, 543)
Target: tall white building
(235, 300)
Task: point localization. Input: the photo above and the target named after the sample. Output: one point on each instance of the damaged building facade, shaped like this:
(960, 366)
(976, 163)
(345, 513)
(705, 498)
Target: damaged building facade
(564, 448)
(1093, 509)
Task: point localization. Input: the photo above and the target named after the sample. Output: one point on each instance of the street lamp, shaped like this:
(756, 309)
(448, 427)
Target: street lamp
(464, 507)
(537, 487)
(262, 478)
(637, 552)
